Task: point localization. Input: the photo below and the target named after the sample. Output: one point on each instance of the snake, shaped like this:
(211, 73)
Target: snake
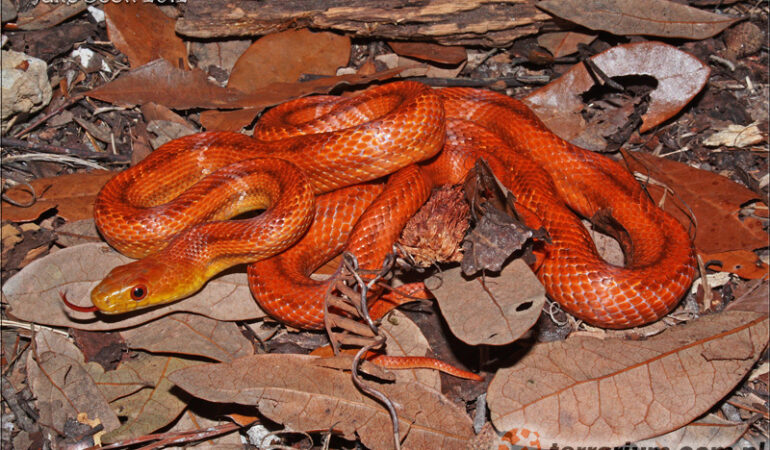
(335, 174)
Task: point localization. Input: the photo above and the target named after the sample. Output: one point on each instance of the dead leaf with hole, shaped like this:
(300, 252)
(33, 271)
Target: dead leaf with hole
(426, 51)
(714, 200)
(190, 334)
(62, 386)
(744, 263)
(143, 33)
(680, 77)
(33, 293)
(589, 391)
(154, 407)
(505, 306)
(301, 396)
(709, 432)
(640, 17)
(73, 195)
(285, 56)
(563, 43)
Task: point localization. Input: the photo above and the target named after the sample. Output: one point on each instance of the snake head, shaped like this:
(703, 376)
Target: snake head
(144, 283)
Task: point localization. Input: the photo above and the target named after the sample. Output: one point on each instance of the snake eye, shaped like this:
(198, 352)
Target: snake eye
(138, 292)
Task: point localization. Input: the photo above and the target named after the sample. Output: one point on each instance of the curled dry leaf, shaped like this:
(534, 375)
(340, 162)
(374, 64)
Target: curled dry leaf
(289, 390)
(62, 386)
(737, 136)
(505, 306)
(607, 392)
(634, 17)
(33, 293)
(152, 408)
(714, 200)
(143, 33)
(284, 57)
(73, 195)
(442, 54)
(680, 77)
(190, 334)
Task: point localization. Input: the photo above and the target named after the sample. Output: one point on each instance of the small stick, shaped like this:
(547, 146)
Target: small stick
(59, 150)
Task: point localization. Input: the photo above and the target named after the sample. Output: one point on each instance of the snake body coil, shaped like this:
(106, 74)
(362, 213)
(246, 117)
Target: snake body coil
(173, 205)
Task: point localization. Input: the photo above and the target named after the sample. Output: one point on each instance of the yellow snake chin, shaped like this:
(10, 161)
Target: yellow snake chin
(142, 284)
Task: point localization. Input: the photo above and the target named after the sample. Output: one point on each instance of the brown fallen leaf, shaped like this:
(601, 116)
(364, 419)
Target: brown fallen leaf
(563, 43)
(48, 14)
(190, 334)
(152, 408)
(744, 263)
(709, 432)
(505, 306)
(285, 56)
(404, 338)
(634, 17)
(62, 386)
(737, 136)
(73, 195)
(33, 293)
(714, 200)
(78, 232)
(143, 33)
(442, 54)
(593, 391)
(289, 390)
(680, 77)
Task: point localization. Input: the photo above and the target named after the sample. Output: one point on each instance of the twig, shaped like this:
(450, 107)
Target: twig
(59, 150)
(174, 437)
(71, 101)
(25, 422)
(63, 159)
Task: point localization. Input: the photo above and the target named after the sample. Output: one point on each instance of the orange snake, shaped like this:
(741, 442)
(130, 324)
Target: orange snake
(171, 208)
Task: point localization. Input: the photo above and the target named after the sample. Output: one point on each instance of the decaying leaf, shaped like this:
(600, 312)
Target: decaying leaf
(289, 390)
(737, 136)
(442, 54)
(78, 232)
(46, 14)
(710, 432)
(680, 77)
(744, 263)
(62, 386)
(404, 338)
(634, 17)
(285, 56)
(152, 408)
(33, 293)
(714, 200)
(589, 391)
(143, 33)
(504, 305)
(563, 43)
(73, 195)
(190, 334)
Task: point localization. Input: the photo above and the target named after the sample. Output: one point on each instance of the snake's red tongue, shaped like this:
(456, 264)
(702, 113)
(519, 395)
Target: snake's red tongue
(75, 307)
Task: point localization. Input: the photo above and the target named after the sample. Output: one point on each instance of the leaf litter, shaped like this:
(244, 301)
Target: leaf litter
(204, 327)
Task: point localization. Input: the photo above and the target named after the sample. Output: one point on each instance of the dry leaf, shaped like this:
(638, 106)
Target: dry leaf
(48, 14)
(62, 386)
(143, 33)
(505, 306)
(563, 43)
(33, 293)
(744, 263)
(190, 334)
(414, 68)
(73, 195)
(713, 199)
(593, 391)
(152, 408)
(284, 57)
(404, 338)
(77, 232)
(710, 432)
(442, 54)
(680, 77)
(301, 396)
(635, 17)
(736, 136)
